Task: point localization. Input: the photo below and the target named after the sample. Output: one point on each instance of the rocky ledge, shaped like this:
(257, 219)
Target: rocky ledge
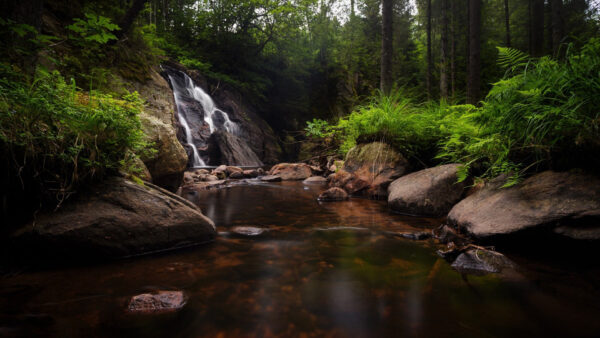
(114, 219)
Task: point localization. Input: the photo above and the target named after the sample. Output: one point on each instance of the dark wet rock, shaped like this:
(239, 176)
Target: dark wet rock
(369, 169)
(236, 175)
(251, 173)
(117, 218)
(415, 236)
(157, 302)
(446, 234)
(291, 171)
(227, 148)
(569, 200)
(247, 231)
(315, 180)
(481, 262)
(430, 192)
(271, 178)
(333, 194)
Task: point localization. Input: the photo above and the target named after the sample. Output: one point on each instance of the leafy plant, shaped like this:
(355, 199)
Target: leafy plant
(94, 30)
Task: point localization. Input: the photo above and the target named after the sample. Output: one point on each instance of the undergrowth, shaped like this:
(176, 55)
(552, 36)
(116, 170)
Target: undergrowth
(542, 115)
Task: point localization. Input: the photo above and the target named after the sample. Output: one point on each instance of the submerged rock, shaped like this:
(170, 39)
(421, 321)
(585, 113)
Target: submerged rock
(315, 180)
(251, 173)
(247, 231)
(271, 178)
(333, 194)
(430, 192)
(157, 302)
(236, 175)
(568, 199)
(369, 169)
(481, 262)
(291, 171)
(117, 218)
(414, 236)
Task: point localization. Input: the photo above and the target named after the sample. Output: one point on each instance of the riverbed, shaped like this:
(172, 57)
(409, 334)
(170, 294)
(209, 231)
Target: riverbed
(333, 269)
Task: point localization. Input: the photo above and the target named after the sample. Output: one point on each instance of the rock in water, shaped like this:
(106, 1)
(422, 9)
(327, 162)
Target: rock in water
(271, 178)
(158, 302)
(481, 262)
(291, 171)
(247, 231)
(315, 180)
(333, 194)
(226, 148)
(429, 192)
(117, 218)
(546, 199)
(369, 169)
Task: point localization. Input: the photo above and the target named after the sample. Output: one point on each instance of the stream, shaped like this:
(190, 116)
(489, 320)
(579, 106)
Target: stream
(321, 269)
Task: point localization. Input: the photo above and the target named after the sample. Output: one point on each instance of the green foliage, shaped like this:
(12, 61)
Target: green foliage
(318, 128)
(92, 31)
(62, 136)
(544, 114)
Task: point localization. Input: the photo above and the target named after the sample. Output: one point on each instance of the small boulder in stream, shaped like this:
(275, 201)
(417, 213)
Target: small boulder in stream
(315, 180)
(333, 194)
(271, 178)
(429, 192)
(481, 262)
(247, 231)
(291, 171)
(157, 302)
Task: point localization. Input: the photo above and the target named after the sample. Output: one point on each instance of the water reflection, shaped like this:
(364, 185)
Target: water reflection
(322, 270)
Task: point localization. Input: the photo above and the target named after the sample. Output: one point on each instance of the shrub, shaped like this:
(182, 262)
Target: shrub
(61, 137)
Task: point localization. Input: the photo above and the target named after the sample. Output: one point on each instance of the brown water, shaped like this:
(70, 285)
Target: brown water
(332, 270)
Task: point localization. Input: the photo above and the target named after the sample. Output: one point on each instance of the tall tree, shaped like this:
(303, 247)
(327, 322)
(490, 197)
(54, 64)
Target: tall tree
(444, 52)
(474, 74)
(536, 17)
(387, 13)
(507, 22)
(127, 21)
(557, 25)
(429, 56)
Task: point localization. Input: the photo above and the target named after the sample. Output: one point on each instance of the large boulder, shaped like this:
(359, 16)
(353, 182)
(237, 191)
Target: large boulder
(117, 218)
(291, 171)
(226, 148)
(429, 192)
(369, 169)
(167, 165)
(568, 199)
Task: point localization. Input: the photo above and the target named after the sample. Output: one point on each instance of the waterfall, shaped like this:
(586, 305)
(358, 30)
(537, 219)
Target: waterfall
(189, 98)
(196, 161)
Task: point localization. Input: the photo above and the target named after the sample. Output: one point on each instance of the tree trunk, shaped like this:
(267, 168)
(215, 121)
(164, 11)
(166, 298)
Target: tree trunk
(537, 27)
(444, 52)
(557, 25)
(386, 45)
(507, 22)
(453, 49)
(129, 17)
(474, 77)
(429, 57)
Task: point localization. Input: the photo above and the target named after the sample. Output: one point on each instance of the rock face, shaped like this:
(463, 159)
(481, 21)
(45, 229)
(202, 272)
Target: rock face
(158, 122)
(333, 194)
(118, 218)
(291, 171)
(430, 192)
(543, 200)
(157, 302)
(252, 129)
(227, 148)
(369, 169)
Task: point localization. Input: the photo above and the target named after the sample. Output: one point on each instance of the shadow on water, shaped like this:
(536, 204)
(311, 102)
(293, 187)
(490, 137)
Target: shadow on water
(321, 269)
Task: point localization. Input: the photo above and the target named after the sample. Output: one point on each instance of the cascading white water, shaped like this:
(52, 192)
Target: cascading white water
(212, 114)
(196, 161)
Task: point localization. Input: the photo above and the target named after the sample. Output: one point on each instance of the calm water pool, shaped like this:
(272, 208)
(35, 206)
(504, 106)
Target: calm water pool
(321, 269)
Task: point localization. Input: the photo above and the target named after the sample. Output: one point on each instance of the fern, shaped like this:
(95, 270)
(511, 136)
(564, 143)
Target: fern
(512, 60)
